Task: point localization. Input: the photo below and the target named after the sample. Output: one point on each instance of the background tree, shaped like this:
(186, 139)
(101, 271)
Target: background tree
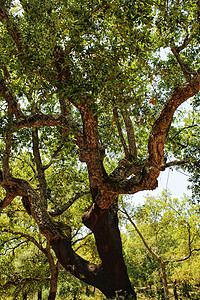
(164, 238)
(86, 94)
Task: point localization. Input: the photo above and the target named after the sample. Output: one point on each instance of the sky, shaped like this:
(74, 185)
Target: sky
(173, 180)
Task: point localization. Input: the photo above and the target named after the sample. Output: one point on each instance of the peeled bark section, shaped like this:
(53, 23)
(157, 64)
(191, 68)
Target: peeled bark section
(104, 225)
(90, 273)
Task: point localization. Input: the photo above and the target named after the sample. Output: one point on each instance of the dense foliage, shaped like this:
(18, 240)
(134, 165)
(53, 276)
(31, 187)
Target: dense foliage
(90, 96)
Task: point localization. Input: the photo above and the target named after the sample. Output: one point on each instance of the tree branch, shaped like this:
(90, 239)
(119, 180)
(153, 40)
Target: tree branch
(162, 123)
(40, 170)
(27, 237)
(6, 155)
(186, 71)
(56, 152)
(37, 120)
(22, 282)
(116, 118)
(130, 134)
(13, 30)
(186, 42)
(90, 273)
(140, 235)
(175, 163)
(13, 106)
(59, 210)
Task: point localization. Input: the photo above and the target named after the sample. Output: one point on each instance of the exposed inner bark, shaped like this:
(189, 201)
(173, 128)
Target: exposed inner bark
(104, 225)
(128, 178)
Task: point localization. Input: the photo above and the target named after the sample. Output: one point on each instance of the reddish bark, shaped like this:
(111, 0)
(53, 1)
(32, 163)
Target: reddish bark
(104, 225)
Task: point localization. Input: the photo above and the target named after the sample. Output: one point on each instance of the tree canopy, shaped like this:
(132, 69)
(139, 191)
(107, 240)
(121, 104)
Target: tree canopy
(90, 96)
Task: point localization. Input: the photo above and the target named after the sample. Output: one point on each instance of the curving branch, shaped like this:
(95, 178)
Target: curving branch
(162, 123)
(27, 237)
(20, 282)
(140, 235)
(59, 210)
(149, 170)
(88, 272)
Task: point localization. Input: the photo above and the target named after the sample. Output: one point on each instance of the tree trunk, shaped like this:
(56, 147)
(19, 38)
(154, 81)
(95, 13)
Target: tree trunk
(175, 291)
(104, 225)
(39, 295)
(164, 281)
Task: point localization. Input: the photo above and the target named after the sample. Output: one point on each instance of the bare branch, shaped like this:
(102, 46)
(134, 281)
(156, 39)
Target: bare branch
(186, 71)
(82, 238)
(10, 99)
(130, 134)
(189, 249)
(61, 209)
(116, 118)
(175, 163)
(28, 237)
(140, 235)
(186, 41)
(182, 129)
(40, 169)
(54, 156)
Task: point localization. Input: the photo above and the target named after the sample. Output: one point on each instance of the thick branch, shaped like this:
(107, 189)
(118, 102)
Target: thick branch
(130, 134)
(148, 171)
(10, 99)
(59, 210)
(38, 120)
(116, 118)
(40, 170)
(162, 123)
(90, 273)
(13, 30)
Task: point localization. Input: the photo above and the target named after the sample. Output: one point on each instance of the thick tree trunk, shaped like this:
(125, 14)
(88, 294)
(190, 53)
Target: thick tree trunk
(110, 277)
(104, 225)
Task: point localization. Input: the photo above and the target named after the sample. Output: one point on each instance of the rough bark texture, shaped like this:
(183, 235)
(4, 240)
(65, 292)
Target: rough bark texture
(104, 225)
(129, 177)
